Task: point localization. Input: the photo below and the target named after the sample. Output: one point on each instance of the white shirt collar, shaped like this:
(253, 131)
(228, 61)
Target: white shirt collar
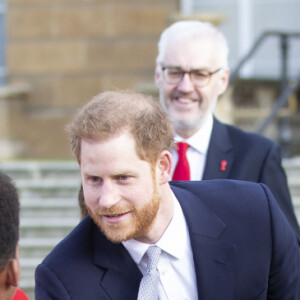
(200, 140)
(174, 240)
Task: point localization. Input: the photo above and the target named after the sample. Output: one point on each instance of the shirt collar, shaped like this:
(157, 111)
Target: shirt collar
(174, 240)
(199, 140)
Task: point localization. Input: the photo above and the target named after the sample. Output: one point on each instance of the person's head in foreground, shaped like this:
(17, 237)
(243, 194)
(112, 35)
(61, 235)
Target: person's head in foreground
(9, 237)
(191, 73)
(122, 141)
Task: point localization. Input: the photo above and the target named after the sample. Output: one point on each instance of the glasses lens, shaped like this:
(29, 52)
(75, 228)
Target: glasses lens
(173, 75)
(200, 78)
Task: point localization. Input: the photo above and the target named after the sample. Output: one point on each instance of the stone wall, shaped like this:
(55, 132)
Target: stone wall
(70, 50)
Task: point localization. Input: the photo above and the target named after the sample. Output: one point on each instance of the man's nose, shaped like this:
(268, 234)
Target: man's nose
(186, 85)
(108, 195)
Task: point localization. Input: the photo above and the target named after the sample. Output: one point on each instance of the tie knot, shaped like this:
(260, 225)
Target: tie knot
(182, 147)
(153, 254)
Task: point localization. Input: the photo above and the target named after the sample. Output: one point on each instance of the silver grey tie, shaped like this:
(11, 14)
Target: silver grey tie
(149, 284)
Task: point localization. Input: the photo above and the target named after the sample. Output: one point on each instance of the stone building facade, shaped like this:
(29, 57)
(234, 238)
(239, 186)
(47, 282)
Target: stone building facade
(60, 53)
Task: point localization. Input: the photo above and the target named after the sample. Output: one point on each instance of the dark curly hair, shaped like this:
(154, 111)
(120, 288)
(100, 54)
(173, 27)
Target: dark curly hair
(9, 219)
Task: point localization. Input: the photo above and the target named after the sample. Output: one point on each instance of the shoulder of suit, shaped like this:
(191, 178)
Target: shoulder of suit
(213, 184)
(252, 137)
(219, 193)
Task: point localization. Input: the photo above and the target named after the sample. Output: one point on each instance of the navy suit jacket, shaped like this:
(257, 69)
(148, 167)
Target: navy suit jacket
(249, 157)
(243, 248)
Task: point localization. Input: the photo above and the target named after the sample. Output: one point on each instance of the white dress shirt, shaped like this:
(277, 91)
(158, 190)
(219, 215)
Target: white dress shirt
(176, 265)
(197, 152)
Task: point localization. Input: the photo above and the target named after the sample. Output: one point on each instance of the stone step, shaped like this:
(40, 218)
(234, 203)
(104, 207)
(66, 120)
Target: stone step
(40, 169)
(61, 210)
(48, 223)
(28, 243)
(41, 227)
(46, 193)
(294, 186)
(63, 203)
(44, 231)
(49, 183)
(291, 164)
(31, 202)
(50, 207)
(37, 248)
(48, 188)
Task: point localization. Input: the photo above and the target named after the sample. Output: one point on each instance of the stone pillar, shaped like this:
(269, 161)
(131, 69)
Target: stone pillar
(12, 98)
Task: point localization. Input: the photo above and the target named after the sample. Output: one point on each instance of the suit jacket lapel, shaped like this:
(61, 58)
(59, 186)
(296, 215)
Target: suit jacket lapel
(122, 277)
(219, 155)
(213, 259)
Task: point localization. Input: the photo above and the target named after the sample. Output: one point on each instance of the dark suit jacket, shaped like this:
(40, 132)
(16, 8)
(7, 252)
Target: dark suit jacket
(249, 157)
(243, 248)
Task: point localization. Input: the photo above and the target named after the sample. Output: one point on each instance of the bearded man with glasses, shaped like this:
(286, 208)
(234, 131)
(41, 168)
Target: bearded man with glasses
(191, 73)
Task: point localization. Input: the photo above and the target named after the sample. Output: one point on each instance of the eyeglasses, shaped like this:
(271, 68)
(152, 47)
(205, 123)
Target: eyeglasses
(200, 78)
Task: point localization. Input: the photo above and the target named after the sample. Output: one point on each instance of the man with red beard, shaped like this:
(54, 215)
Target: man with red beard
(191, 73)
(215, 239)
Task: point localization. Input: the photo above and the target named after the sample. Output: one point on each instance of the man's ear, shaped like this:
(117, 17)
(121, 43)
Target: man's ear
(224, 80)
(13, 270)
(9, 278)
(13, 273)
(164, 166)
(157, 75)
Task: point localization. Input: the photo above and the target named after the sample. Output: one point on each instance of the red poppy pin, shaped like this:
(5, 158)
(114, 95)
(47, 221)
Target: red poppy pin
(223, 165)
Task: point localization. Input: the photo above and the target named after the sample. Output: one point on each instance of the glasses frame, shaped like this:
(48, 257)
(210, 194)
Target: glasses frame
(183, 72)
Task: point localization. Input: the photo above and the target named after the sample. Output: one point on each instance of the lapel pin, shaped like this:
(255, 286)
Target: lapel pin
(223, 165)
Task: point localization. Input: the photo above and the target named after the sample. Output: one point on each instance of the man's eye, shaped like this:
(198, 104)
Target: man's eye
(175, 73)
(124, 179)
(200, 74)
(94, 179)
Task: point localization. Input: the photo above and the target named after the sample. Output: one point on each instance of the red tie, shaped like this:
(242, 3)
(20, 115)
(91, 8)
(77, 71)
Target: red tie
(182, 170)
